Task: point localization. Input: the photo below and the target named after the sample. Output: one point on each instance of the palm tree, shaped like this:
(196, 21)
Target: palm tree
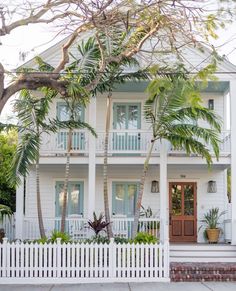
(32, 113)
(173, 109)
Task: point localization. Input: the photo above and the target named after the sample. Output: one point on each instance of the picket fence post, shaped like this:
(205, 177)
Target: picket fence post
(166, 259)
(58, 241)
(4, 257)
(112, 258)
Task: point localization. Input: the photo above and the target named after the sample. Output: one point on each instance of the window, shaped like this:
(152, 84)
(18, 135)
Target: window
(124, 198)
(126, 117)
(75, 198)
(63, 112)
(78, 138)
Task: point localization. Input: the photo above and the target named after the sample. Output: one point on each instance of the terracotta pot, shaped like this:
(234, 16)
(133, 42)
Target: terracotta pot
(213, 235)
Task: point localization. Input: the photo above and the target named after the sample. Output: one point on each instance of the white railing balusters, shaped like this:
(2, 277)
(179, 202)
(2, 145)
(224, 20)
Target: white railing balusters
(56, 143)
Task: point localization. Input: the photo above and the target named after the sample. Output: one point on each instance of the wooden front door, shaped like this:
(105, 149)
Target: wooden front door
(183, 211)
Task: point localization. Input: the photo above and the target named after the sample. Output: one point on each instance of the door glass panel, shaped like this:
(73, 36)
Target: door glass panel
(59, 198)
(119, 207)
(63, 112)
(188, 200)
(133, 116)
(74, 197)
(131, 197)
(120, 122)
(176, 199)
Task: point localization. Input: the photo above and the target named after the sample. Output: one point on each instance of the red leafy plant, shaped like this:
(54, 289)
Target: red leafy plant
(98, 224)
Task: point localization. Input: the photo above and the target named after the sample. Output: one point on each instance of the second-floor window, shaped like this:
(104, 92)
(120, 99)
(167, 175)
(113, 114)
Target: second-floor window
(126, 122)
(127, 116)
(64, 113)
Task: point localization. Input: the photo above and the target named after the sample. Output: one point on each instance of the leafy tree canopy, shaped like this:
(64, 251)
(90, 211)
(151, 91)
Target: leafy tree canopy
(8, 143)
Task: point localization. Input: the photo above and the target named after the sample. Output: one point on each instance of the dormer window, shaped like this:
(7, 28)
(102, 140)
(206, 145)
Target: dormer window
(211, 104)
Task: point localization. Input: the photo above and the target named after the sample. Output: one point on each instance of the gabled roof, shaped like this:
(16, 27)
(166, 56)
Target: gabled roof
(194, 58)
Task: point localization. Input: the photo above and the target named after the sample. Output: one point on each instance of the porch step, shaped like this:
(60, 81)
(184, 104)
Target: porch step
(197, 272)
(202, 253)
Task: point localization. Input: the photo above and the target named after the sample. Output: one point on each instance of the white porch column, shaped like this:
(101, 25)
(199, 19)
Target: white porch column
(164, 208)
(233, 156)
(92, 159)
(19, 218)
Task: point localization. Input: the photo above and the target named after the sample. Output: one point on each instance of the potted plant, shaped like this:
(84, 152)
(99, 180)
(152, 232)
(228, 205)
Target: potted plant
(211, 219)
(152, 227)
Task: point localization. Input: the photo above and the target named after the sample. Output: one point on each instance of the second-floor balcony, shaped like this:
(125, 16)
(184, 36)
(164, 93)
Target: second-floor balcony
(121, 142)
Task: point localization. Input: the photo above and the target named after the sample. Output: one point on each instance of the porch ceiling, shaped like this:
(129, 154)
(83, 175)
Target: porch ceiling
(219, 87)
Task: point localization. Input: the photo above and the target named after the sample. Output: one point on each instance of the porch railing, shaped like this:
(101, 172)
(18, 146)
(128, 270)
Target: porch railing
(138, 142)
(56, 143)
(78, 228)
(121, 142)
(81, 262)
(126, 142)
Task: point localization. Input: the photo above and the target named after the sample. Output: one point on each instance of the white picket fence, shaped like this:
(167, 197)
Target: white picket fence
(81, 262)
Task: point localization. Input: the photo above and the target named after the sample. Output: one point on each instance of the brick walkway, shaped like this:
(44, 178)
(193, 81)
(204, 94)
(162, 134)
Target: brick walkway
(197, 272)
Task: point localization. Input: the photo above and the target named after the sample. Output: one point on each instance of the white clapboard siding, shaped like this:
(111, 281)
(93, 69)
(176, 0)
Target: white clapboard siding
(83, 262)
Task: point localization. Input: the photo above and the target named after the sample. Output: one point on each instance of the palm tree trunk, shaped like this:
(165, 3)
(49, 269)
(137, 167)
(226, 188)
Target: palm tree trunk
(141, 190)
(105, 176)
(65, 188)
(39, 208)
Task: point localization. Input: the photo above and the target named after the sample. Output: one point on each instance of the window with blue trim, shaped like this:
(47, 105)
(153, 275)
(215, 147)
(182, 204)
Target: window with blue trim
(124, 198)
(75, 198)
(64, 114)
(126, 116)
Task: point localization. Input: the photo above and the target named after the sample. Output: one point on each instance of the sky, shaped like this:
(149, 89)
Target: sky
(34, 39)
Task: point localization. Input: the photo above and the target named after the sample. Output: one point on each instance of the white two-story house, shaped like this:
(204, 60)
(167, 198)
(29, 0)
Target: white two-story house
(179, 188)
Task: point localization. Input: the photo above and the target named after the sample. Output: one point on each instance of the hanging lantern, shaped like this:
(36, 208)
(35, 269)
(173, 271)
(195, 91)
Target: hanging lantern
(155, 186)
(212, 187)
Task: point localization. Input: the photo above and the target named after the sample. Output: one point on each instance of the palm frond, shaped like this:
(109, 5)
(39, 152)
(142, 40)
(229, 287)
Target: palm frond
(70, 124)
(5, 211)
(27, 153)
(190, 145)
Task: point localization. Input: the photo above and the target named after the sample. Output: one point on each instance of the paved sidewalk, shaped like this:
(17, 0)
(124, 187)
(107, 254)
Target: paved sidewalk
(211, 286)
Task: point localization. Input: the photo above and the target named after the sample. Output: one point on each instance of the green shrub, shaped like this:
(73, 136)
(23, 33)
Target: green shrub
(146, 238)
(121, 240)
(65, 238)
(41, 240)
(98, 240)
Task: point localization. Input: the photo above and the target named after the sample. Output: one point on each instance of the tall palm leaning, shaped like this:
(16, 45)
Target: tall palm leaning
(32, 112)
(173, 109)
(87, 66)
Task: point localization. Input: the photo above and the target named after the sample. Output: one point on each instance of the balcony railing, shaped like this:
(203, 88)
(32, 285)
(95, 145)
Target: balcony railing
(121, 142)
(138, 142)
(56, 143)
(78, 228)
(126, 142)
